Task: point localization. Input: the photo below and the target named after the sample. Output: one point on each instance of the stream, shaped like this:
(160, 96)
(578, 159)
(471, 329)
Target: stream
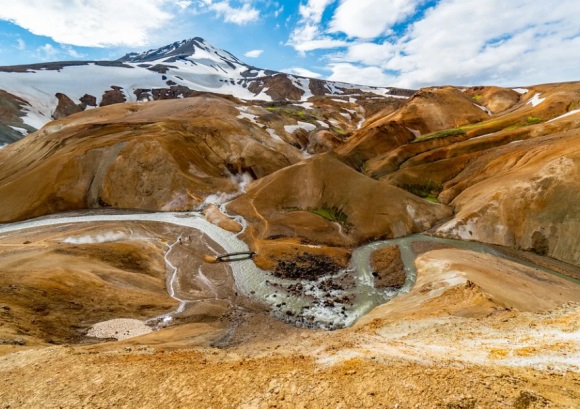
(330, 302)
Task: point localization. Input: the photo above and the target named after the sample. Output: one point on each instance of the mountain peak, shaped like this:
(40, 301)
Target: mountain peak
(181, 50)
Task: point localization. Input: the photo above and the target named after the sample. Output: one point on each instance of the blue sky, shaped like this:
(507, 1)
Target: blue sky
(405, 43)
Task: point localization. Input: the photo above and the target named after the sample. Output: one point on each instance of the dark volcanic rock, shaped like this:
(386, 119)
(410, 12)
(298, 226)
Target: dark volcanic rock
(388, 267)
(318, 87)
(161, 68)
(88, 100)
(306, 267)
(279, 86)
(114, 96)
(173, 92)
(143, 94)
(65, 107)
(11, 111)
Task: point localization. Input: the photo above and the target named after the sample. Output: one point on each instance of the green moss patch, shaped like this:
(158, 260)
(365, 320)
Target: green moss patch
(440, 134)
(428, 191)
(331, 213)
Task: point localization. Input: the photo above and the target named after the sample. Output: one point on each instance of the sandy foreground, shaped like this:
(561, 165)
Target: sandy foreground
(403, 365)
(452, 342)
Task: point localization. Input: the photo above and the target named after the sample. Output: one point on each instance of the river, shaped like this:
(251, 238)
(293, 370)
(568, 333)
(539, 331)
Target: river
(315, 304)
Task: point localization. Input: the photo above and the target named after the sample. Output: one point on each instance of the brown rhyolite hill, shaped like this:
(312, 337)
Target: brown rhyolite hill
(325, 201)
(488, 153)
(166, 155)
(508, 176)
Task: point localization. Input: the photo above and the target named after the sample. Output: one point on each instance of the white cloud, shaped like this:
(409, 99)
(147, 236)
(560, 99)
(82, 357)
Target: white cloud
(313, 9)
(370, 53)
(183, 4)
(91, 23)
(21, 44)
(302, 72)
(344, 72)
(72, 52)
(370, 18)
(253, 53)
(240, 15)
(318, 44)
(47, 52)
(502, 43)
(307, 35)
(278, 12)
(462, 42)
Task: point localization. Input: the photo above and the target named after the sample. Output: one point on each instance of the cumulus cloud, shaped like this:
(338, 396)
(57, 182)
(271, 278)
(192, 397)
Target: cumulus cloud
(503, 43)
(47, 52)
(71, 51)
(369, 53)
(344, 72)
(183, 4)
(237, 15)
(91, 23)
(307, 35)
(370, 18)
(463, 42)
(253, 53)
(302, 72)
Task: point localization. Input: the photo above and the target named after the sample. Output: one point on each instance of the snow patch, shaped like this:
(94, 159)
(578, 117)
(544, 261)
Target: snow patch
(300, 125)
(565, 115)
(244, 114)
(521, 90)
(21, 130)
(415, 132)
(274, 135)
(536, 100)
(302, 84)
(305, 105)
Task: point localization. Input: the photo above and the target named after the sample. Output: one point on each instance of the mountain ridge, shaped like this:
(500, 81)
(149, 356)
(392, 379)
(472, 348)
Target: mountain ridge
(181, 69)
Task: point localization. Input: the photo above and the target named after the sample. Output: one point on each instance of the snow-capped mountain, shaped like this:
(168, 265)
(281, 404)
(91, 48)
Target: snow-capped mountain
(38, 93)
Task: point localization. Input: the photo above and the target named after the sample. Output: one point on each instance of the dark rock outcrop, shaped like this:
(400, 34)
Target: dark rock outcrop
(65, 107)
(388, 267)
(114, 96)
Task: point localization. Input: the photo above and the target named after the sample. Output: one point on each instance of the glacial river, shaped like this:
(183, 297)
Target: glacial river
(314, 307)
